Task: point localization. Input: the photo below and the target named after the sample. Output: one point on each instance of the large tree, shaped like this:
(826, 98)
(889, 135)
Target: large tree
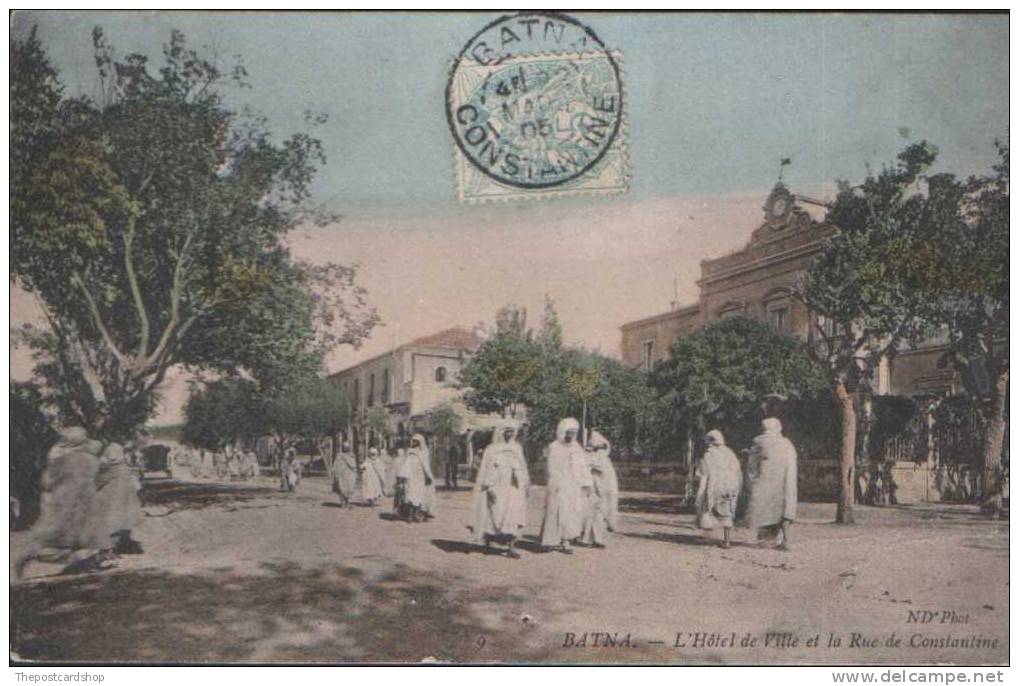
(149, 223)
(725, 371)
(499, 376)
(221, 412)
(862, 309)
(961, 265)
(312, 409)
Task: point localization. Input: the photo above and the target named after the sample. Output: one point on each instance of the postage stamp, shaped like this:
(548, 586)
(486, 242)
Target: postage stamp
(535, 107)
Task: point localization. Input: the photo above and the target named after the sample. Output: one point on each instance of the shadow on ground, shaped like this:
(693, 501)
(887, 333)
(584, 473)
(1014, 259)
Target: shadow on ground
(184, 495)
(281, 613)
(678, 539)
(654, 504)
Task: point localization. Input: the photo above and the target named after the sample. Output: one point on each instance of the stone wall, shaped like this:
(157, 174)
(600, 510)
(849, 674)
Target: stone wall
(818, 479)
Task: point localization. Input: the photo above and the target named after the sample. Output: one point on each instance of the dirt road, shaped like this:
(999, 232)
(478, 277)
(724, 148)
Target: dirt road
(241, 572)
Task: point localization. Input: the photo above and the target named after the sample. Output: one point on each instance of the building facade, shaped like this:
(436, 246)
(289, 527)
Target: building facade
(761, 280)
(407, 381)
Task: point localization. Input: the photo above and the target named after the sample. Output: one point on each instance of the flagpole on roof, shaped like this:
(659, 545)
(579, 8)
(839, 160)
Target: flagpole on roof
(782, 165)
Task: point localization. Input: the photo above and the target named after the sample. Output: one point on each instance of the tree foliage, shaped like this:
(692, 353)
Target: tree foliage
(858, 289)
(960, 267)
(516, 367)
(314, 409)
(444, 421)
(221, 413)
(150, 224)
(500, 375)
(726, 370)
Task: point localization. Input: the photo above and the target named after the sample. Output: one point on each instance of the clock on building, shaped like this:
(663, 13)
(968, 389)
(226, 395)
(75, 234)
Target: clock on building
(779, 205)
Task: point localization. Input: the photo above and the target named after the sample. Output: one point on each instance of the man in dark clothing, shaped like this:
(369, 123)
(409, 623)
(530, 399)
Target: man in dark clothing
(453, 460)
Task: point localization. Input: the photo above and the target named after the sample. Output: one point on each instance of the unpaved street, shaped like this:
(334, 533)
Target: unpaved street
(241, 572)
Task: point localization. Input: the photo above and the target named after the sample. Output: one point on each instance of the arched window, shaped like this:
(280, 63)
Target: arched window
(440, 374)
(731, 309)
(777, 306)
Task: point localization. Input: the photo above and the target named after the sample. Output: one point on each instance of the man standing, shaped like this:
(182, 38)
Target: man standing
(419, 484)
(452, 462)
(604, 508)
(569, 488)
(345, 474)
(718, 487)
(771, 478)
(499, 510)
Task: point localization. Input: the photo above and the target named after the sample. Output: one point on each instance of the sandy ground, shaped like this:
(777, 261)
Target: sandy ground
(239, 572)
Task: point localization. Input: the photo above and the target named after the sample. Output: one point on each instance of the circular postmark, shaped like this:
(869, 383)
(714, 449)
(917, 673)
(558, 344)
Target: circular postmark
(534, 100)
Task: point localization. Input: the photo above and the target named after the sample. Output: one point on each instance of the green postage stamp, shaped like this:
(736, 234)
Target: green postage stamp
(547, 121)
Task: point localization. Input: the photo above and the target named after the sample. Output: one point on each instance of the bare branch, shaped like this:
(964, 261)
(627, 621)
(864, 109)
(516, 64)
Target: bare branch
(136, 293)
(97, 319)
(158, 356)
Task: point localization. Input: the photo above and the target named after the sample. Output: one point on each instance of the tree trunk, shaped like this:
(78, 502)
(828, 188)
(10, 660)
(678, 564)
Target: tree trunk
(583, 424)
(865, 472)
(994, 439)
(844, 512)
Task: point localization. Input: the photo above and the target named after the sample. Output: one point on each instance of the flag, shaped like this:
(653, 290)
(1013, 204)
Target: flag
(786, 160)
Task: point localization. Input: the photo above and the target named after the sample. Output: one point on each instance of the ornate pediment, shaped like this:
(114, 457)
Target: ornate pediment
(781, 216)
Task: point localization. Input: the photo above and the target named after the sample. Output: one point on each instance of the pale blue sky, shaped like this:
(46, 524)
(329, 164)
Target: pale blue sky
(713, 101)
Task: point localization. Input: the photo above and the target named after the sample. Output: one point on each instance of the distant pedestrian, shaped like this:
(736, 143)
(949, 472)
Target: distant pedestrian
(603, 510)
(345, 474)
(373, 477)
(418, 485)
(452, 461)
(290, 471)
(771, 478)
(719, 486)
(569, 489)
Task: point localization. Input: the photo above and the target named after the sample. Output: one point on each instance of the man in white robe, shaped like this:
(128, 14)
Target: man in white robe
(419, 483)
(604, 508)
(290, 471)
(373, 477)
(569, 489)
(117, 505)
(719, 486)
(771, 478)
(65, 531)
(345, 474)
(499, 508)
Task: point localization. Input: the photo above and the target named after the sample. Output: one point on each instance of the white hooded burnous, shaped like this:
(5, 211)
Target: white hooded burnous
(345, 474)
(499, 508)
(719, 485)
(604, 509)
(569, 488)
(416, 470)
(373, 477)
(771, 479)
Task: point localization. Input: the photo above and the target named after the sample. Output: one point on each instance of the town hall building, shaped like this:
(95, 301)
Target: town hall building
(761, 280)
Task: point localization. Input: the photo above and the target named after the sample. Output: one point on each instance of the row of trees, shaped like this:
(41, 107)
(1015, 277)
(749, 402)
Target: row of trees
(718, 376)
(517, 367)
